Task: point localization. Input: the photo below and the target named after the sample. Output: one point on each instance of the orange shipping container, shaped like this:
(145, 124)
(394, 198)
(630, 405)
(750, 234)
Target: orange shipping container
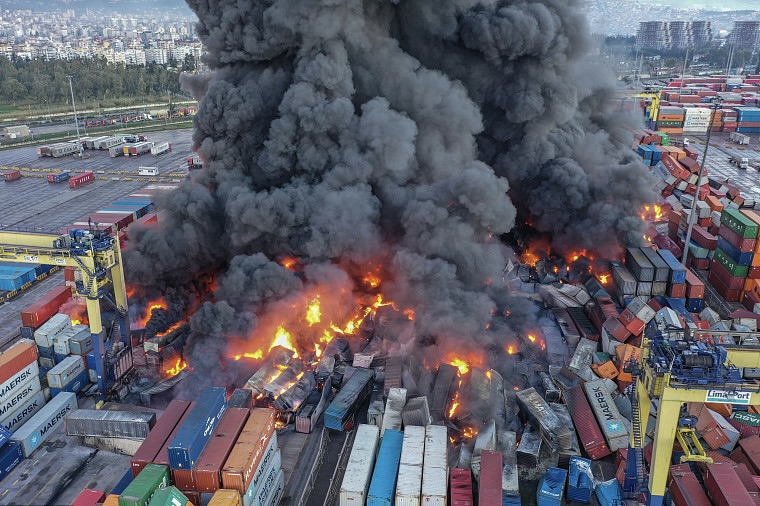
(714, 203)
(224, 497)
(238, 470)
(605, 370)
(111, 500)
(15, 358)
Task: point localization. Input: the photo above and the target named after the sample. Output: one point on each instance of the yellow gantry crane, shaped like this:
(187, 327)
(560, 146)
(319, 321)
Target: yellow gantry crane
(678, 369)
(97, 256)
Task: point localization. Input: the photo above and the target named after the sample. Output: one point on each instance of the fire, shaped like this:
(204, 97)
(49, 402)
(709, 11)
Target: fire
(152, 306)
(313, 313)
(170, 329)
(574, 256)
(76, 321)
(469, 432)
(454, 405)
(537, 340)
(317, 350)
(257, 355)
(179, 365)
(604, 278)
(460, 364)
(410, 313)
(371, 280)
(652, 213)
(282, 338)
(289, 263)
(511, 350)
(516, 388)
(529, 258)
(532, 338)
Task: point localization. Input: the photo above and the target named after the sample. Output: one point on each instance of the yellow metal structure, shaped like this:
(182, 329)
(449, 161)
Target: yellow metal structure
(652, 97)
(97, 267)
(692, 448)
(671, 395)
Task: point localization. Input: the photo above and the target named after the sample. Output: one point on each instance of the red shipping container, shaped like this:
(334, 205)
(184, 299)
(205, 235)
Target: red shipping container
(686, 491)
(207, 474)
(742, 471)
(626, 317)
(162, 457)
(710, 430)
(183, 479)
(192, 496)
(586, 425)
(737, 241)
(754, 272)
(616, 329)
(704, 222)
(81, 179)
(636, 327)
(461, 487)
(749, 300)
(751, 448)
(724, 486)
(677, 290)
(15, 358)
(39, 312)
(703, 238)
(738, 457)
(89, 497)
(695, 288)
(159, 435)
(729, 294)
(725, 277)
(490, 479)
(69, 273)
(700, 264)
(12, 175)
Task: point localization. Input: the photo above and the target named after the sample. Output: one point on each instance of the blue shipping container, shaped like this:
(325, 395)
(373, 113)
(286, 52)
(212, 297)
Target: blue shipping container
(741, 258)
(609, 493)
(45, 351)
(679, 306)
(382, 488)
(13, 278)
(677, 269)
(197, 429)
(11, 455)
(76, 384)
(91, 360)
(123, 483)
(580, 480)
(27, 332)
(347, 401)
(695, 305)
(551, 487)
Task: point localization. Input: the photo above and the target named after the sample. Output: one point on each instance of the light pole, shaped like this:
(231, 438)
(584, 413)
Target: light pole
(76, 121)
(693, 215)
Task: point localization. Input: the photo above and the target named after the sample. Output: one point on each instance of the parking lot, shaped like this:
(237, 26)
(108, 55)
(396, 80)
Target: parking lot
(34, 204)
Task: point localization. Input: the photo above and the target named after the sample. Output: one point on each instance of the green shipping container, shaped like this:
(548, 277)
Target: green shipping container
(739, 223)
(142, 488)
(746, 418)
(736, 270)
(665, 138)
(169, 496)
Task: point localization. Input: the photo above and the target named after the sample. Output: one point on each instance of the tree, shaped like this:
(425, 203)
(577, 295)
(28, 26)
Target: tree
(189, 64)
(13, 90)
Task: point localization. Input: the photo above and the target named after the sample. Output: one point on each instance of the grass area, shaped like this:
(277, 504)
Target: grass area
(156, 126)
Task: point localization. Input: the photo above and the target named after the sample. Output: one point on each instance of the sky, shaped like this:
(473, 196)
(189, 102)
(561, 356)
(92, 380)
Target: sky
(718, 5)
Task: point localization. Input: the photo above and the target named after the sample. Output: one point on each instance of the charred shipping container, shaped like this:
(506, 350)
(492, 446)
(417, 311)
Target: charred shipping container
(538, 412)
(311, 410)
(563, 413)
(570, 332)
(347, 401)
(441, 391)
(585, 328)
(104, 423)
(529, 451)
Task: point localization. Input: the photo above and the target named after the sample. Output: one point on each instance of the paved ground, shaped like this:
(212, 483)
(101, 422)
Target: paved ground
(33, 203)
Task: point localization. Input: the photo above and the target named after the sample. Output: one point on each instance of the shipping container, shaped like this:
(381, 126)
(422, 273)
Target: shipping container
(552, 430)
(677, 269)
(123, 483)
(686, 490)
(489, 490)
(638, 264)
(5, 436)
(46, 334)
(609, 418)
(40, 311)
(74, 385)
(241, 398)
(225, 497)
(434, 468)
(409, 480)
(162, 457)
(106, 423)
(551, 487)
(353, 490)
(461, 487)
(63, 373)
(724, 486)
(142, 488)
(12, 175)
(528, 453)
(159, 435)
(13, 385)
(661, 269)
(20, 396)
(347, 401)
(169, 496)
(583, 324)
(159, 148)
(383, 483)
(195, 432)
(40, 426)
(570, 332)
(25, 411)
(15, 277)
(207, 474)
(264, 474)
(586, 426)
(739, 223)
(239, 469)
(608, 493)
(81, 179)
(580, 480)
(89, 497)
(275, 491)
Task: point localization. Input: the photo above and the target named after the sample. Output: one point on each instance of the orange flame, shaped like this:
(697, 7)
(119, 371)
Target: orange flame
(516, 389)
(461, 365)
(76, 321)
(257, 355)
(289, 263)
(371, 280)
(469, 432)
(537, 340)
(454, 405)
(604, 278)
(153, 305)
(179, 365)
(652, 213)
(282, 338)
(170, 329)
(313, 313)
(511, 349)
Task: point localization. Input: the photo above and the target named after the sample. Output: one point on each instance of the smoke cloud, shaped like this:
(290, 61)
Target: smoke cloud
(405, 134)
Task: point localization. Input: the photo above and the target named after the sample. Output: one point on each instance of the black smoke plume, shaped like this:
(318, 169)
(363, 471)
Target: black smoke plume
(402, 133)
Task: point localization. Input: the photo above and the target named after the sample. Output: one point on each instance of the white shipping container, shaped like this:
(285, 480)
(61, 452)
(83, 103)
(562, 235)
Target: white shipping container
(276, 490)
(45, 335)
(270, 481)
(61, 343)
(413, 447)
(20, 396)
(38, 428)
(393, 408)
(353, 490)
(434, 470)
(20, 378)
(60, 375)
(15, 420)
(408, 485)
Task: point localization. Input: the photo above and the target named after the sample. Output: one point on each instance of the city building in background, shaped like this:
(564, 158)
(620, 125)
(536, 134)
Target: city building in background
(745, 35)
(673, 34)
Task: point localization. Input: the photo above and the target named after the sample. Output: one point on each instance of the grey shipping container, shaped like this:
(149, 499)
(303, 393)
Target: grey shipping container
(241, 398)
(60, 375)
(99, 422)
(530, 447)
(661, 269)
(609, 418)
(637, 263)
(38, 428)
(624, 280)
(553, 431)
(570, 332)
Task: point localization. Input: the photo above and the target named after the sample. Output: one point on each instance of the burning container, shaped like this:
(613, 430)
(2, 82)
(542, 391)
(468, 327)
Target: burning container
(409, 481)
(551, 487)
(40, 311)
(353, 490)
(105, 423)
(383, 485)
(195, 432)
(278, 358)
(246, 455)
(461, 487)
(38, 428)
(609, 418)
(159, 435)
(434, 466)
(543, 418)
(241, 398)
(566, 455)
(142, 488)
(585, 424)
(347, 401)
(207, 474)
(441, 391)
(311, 409)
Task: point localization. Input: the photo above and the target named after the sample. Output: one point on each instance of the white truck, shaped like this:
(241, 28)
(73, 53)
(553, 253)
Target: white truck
(741, 163)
